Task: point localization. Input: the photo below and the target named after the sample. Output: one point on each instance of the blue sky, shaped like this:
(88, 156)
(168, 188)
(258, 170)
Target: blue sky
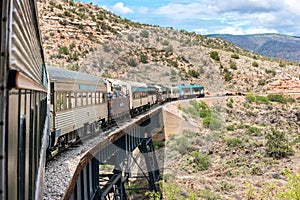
(212, 16)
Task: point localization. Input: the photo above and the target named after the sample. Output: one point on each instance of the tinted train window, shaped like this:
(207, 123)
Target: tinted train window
(79, 100)
(59, 101)
(72, 100)
(89, 98)
(93, 98)
(97, 98)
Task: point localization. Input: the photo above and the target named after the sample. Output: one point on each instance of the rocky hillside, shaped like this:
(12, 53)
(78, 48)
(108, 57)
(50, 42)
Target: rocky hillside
(84, 37)
(233, 148)
(272, 45)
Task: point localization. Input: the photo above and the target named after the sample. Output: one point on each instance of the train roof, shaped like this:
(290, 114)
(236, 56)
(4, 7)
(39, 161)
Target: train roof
(137, 84)
(57, 74)
(116, 82)
(191, 86)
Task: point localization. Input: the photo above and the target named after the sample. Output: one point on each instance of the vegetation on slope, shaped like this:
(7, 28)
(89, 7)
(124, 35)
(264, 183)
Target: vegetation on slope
(87, 38)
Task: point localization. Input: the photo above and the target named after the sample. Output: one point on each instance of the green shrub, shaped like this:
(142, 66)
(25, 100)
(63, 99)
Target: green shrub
(201, 159)
(228, 76)
(230, 128)
(181, 144)
(262, 82)
(208, 194)
(197, 161)
(277, 98)
(130, 38)
(235, 56)
(254, 131)
(203, 105)
(193, 112)
(233, 65)
(255, 64)
(195, 104)
(193, 73)
(132, 62)
(270, 71)
(63, 50)
(290, 100)
(277, 144)
(144, 34)
(234, 142)
(204, 113)
(214, 55)
(212, 123)
(143, 58)
(250, 97)
(262, 100)
(229, 105)
(292, 189)
(225, 186)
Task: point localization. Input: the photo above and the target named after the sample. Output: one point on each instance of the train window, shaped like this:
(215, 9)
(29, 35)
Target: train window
(89, 98)
(93, 98)
(72, 100)
(84, 99)
(65, 100)
(135, 95)
(97, 98)
(78, 100)
(59, 101)
(101, 98)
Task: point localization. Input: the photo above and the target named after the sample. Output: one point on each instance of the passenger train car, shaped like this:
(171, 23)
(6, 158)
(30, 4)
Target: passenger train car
(78, 106)
(118, 101)
(23, 102)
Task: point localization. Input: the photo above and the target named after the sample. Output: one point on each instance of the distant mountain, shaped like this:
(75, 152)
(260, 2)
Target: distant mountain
(272, 45)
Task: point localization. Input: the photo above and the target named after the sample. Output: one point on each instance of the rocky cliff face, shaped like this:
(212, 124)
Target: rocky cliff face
(84, 37)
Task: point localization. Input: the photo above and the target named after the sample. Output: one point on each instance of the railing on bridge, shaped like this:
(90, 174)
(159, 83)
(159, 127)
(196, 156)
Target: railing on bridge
(119, 150)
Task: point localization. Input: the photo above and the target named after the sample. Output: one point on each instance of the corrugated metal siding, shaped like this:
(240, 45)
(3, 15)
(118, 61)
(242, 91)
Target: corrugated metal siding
(73, 119)
(27, 54)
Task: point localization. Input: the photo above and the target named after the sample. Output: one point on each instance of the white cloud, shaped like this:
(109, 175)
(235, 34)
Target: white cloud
(223, 16)
(121, 9)
(182, 11)
(143, 10)
(240, 31)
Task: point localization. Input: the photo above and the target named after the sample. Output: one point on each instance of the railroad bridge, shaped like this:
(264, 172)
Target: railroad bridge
(119, 148)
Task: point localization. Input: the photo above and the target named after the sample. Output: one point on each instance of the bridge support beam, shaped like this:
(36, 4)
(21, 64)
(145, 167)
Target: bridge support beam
(119, 150)
(147, 149)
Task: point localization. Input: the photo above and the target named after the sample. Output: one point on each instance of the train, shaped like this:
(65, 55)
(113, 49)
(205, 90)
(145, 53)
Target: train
(82, 105)
(45, 109)
(24, 113)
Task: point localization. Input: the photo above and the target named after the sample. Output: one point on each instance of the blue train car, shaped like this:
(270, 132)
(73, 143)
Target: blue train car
(190, 91)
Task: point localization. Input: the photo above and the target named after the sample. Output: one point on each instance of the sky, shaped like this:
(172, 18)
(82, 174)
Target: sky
(236, 17)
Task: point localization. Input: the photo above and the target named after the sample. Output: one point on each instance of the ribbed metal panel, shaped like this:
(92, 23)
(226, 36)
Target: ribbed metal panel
(27, 54)
(73, 119)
